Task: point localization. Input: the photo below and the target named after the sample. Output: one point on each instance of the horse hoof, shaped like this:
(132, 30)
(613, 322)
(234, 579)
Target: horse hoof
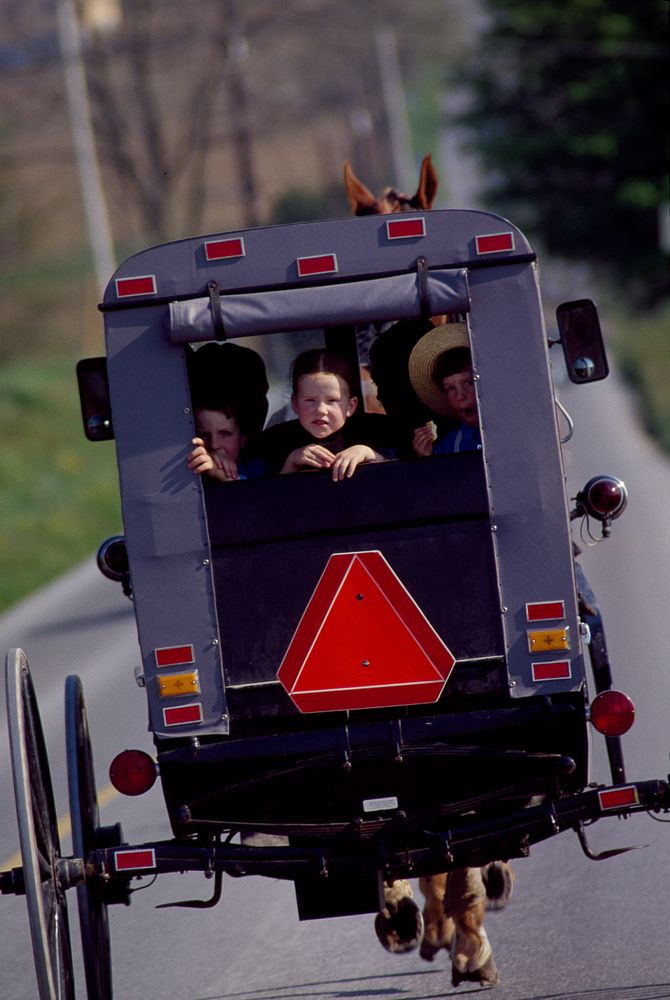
(399, 927)
(428, 951)
(498, 881)
(486, 976)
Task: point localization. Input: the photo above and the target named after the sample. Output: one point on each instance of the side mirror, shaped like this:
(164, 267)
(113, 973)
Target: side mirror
(582, 341)
(96, 410)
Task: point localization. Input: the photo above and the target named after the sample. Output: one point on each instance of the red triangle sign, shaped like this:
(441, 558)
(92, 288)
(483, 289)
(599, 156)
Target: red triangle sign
(363, 642)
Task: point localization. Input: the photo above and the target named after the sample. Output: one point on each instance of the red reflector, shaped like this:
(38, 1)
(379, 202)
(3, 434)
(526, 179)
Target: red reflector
(376, 696)
(495, 243)
(144, 285)
(182, 715)
(325, 263)
(132, 772)
(127, 861)
(404, 229)
(362, 642)
(545, 611)
(612, 713)
(557, 670)
(225, 249)
(174, 656)
(616, 798)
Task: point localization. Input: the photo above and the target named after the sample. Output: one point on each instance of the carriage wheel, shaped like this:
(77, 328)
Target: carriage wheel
(85, 819)
(38, 835)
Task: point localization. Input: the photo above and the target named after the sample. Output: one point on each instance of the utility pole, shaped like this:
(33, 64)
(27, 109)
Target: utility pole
(93, 195)
(235, 69)
(395, 105)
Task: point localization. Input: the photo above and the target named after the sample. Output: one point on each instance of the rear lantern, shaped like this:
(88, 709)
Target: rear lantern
(113, 558)
(113, 562)
(132, 772)
(604, 497)
(612, 713)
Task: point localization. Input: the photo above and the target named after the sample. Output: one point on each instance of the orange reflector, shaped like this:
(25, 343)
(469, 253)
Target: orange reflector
(612, 713)
(178, 685)
(132, 772)
(617, 798)
(546, 640)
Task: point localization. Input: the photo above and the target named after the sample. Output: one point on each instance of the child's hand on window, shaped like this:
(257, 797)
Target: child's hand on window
(200, 462)
(347, 461)
(225, 469)
(312, 456)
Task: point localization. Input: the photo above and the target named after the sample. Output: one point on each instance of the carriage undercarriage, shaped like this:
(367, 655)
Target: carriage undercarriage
(324, 859)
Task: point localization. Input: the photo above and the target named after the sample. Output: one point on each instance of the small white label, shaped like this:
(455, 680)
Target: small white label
(380, 805)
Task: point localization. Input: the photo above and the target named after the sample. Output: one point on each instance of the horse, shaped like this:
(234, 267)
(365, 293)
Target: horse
(455, 901)
(363, 202)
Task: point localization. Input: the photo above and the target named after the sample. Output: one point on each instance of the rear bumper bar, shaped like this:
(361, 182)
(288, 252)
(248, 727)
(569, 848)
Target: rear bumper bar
(425, 850)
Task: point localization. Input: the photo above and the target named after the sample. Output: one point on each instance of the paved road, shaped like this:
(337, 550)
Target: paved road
(576, 929)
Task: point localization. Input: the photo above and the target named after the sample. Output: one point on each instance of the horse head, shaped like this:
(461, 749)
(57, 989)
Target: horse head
(363, 202)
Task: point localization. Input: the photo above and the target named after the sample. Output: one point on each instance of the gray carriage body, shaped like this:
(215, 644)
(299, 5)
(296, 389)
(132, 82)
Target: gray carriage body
(519, 554)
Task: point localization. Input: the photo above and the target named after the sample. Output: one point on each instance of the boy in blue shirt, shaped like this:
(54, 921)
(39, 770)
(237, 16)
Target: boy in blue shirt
(440, 369)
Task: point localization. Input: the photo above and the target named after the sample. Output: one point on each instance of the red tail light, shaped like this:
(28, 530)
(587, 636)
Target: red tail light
(612, 713)
(604, 497)
(132, 772)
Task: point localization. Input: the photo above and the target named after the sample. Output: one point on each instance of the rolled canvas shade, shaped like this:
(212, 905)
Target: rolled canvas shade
(334, 304)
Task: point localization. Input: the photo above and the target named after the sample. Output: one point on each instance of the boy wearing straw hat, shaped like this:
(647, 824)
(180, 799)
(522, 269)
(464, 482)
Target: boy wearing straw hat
(440, 369)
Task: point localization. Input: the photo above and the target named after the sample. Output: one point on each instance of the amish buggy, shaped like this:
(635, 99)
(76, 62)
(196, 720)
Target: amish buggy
(392, 674)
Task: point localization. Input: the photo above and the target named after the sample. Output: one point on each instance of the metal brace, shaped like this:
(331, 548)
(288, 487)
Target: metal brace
(601, 855)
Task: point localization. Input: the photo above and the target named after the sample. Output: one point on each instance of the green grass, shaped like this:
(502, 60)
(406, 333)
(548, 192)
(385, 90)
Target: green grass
(58, 491)
(642, 350)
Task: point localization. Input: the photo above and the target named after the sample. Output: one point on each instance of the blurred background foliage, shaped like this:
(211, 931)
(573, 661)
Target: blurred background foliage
(216, 115)
(570, 116)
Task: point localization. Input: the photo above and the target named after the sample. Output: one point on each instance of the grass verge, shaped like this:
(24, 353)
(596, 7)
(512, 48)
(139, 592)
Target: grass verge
(58, 491)
(642, 350)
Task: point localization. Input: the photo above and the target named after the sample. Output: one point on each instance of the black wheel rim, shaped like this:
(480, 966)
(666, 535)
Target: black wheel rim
(85, 820)
(38, 835)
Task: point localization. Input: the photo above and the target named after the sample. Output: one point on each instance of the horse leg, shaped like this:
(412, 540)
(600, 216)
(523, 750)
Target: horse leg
(438, 927)
(399, 926)
(471, 953)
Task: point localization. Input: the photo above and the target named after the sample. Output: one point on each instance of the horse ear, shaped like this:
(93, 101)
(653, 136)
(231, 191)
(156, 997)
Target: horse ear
(427, 189)
(361, 199)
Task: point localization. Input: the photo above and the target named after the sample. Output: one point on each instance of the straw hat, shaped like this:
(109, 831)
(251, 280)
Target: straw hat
(423, 359)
